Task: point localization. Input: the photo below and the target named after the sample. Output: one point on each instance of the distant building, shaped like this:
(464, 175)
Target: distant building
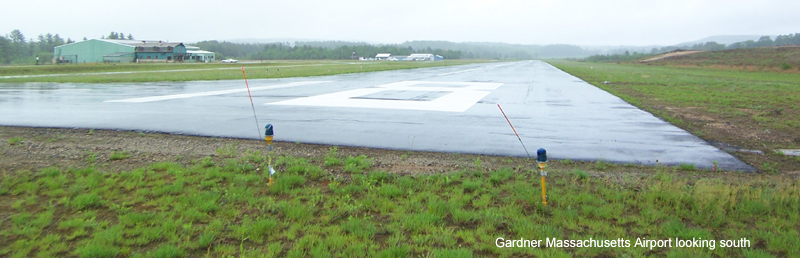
(383, 56)
(157, 51)
(194, 54)
(422, 57)
(398, 58)
(127, 51)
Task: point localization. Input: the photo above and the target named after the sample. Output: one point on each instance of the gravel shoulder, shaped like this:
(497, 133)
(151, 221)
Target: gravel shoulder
(34, 149)
(37, 148)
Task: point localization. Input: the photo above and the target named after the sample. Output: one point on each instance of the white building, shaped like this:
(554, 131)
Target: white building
(383, 56)
(201, 56)
(421, 57)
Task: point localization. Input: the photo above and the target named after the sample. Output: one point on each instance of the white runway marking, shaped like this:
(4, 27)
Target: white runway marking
(48, 90)
(461, 96)
(212, 93)
(462, 71)
(468, 70)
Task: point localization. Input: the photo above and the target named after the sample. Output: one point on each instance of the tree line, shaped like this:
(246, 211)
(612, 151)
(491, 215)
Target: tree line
(304, 51)
(344, 50)
(764, 41)
(493, 50)
(15, 48)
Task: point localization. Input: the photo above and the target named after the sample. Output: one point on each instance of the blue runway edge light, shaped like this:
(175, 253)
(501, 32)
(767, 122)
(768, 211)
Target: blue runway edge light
(268, 130)
(541, 155)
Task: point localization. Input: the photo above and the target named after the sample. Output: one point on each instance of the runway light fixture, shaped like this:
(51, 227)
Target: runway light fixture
(541, 159)
(541, 156)
(268, 136)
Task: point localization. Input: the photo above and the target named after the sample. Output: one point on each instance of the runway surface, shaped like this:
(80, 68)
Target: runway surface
(447, 109)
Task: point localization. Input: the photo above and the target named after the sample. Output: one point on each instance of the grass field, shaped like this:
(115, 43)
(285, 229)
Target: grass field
(94, 73)
(340, 206)
(743, 109)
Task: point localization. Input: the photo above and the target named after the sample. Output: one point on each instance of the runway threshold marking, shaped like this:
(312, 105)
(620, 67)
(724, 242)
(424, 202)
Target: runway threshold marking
(212, 93)
(460, 96)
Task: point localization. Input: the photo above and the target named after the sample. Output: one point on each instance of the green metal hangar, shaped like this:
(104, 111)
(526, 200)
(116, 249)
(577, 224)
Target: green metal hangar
(126, 51)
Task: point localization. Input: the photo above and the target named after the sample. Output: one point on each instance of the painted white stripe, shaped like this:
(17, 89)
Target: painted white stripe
(462, 71)
(47, 90)
(212, 93)
(501, 65)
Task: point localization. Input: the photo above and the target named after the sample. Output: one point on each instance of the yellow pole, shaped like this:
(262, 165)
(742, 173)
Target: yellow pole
(270, 183)
(542, 165)
(268, 138)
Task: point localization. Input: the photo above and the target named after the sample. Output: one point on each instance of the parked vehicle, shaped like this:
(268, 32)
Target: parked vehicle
(230, 61)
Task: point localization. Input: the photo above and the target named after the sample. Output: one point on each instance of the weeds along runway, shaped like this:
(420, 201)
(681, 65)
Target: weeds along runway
(447, 109)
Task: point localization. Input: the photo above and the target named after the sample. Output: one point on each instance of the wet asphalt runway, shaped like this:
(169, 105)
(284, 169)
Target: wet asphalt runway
(447, 109)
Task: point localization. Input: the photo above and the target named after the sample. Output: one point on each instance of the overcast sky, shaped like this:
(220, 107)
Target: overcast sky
(580, 22)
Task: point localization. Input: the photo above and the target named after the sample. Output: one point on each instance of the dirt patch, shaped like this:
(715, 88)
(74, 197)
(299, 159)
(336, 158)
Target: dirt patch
(671, 54)
(743, 138)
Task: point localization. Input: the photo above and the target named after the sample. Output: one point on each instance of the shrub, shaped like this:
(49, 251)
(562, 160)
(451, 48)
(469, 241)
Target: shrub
(580, 174)
(687, 167)
(119, 155)
(15, 141)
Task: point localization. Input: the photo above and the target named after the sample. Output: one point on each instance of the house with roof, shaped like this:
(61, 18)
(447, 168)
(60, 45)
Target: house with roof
(127, 51)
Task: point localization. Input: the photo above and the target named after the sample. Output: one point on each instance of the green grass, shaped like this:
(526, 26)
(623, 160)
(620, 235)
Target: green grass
(91, 157)
(770, 99)
(223, 209)
(687, 167)
(332, 158)
(15, 141)
(229, 151)
(357, 164)
(193, 72)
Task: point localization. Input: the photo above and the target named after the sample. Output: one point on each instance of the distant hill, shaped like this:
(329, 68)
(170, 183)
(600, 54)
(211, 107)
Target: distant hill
(724, 39)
